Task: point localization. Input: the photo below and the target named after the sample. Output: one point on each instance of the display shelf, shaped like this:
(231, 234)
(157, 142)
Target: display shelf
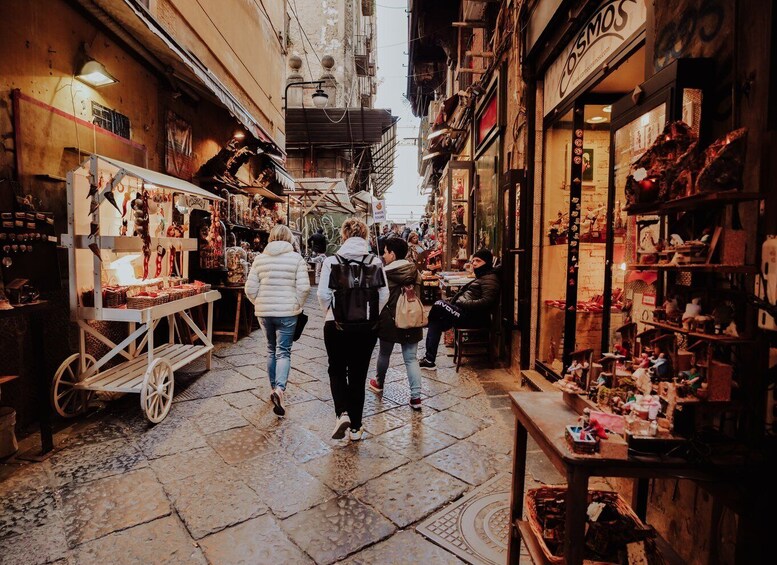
(148, 314)
(127, 243)
(698, 268)
(128, 377)
(693, 201)
(230, 225)
(722, 339)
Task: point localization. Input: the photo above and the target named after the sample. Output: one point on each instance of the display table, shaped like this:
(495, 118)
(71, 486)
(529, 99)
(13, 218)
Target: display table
(544, 415)
(35, 313)
(243, 311)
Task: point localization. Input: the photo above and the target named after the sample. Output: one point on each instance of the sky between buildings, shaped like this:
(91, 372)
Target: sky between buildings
(402, 199)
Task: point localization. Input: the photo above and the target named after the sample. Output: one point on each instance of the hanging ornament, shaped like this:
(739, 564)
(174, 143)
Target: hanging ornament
(112, 199)
(96, 250)
(93, 206)
(124, 204)
(94, 229)
(160, 254)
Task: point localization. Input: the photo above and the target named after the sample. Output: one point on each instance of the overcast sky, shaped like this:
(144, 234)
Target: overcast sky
(402, 197)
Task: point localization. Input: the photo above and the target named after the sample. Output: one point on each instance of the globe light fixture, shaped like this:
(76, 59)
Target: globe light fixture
(320, 98)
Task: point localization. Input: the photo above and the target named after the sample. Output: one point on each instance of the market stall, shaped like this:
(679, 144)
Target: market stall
(120, 217)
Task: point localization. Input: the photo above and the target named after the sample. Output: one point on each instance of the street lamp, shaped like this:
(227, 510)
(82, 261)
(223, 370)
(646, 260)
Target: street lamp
(320, 98)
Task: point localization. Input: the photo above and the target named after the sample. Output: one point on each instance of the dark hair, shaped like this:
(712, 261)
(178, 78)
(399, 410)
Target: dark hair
(320, 230)
(397, 245)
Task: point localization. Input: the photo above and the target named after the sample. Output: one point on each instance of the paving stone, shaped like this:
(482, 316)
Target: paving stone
(303, 445)
(262, 416)
(316, 369)
(180, 466)
(296, 395)
(97, 430)
(26, 502)
(496, 438)
(282, 484)
(95, 461)
(318, 389)
(34, 545)
(254, 359)
(255, 373)
(346, 468)
(382, 422)
(453, 423)
(467, 390)
(411, 492)
(92, 510)
(377, 403)
(210, 503)
(240, 400)
(337, 528)
(240, 444)
(469, 462)
(308, 353)
(443, 401)
(162, 542)
(169, 437)
(259, 540)
(213, 383)
(210, 415)
(403, 547)
(415, 441)
(478, 408)
(542, 470)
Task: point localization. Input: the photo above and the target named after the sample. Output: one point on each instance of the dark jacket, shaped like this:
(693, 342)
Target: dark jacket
(317, 243)
(479, 298)
(398, 274)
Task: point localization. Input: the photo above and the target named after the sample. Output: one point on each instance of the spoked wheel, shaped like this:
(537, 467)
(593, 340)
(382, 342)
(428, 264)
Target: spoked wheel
(66, 399)
(156, 395)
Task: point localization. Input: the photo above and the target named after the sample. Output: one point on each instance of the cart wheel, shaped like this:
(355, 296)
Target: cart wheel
(67, 400)
(156, 396)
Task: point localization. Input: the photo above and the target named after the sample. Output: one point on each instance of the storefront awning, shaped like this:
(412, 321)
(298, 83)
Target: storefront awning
(282, 176)
(154, 178)
(322, 195)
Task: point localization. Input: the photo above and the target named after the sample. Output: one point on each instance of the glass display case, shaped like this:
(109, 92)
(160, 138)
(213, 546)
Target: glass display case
(454, 227)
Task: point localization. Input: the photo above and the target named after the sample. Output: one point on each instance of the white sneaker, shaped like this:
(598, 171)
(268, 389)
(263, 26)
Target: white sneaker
(341, 425)
(277, 400)
(356, 435)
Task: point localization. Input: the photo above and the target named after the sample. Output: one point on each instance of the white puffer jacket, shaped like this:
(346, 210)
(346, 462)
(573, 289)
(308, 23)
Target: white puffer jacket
(278, 283)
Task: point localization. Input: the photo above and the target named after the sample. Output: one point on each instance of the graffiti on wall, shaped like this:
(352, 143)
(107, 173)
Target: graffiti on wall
(330, 223)
(698, 28)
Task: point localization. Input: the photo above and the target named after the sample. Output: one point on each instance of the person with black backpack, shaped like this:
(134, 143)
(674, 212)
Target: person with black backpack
(352, 291)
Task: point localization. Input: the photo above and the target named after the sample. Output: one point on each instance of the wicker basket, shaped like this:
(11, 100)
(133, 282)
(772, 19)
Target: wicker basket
(141, 302)
(533, 496)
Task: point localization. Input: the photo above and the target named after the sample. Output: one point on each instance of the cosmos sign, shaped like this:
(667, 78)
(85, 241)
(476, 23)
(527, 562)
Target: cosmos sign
(605, 31)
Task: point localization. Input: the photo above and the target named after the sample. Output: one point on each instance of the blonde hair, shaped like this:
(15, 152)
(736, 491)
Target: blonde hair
(353, 227)
(281, 233)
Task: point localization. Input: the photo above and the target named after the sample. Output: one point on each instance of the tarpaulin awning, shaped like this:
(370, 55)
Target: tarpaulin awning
(158, 179)
(263, 192)
(362, 201)
(323, 195)
(336, 127)
(282, 176)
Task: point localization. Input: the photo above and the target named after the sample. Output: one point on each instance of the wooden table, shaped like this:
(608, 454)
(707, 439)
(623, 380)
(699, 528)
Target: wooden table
(243, 310)
(544, 415)
(35, 313)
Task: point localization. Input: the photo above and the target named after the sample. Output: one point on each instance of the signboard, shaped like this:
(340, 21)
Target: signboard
(601, 36)
(379, 210)
(487, 121)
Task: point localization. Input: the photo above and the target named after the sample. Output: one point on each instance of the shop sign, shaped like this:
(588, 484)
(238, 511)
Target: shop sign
(487, 120)
(601, 36)
(379, 211)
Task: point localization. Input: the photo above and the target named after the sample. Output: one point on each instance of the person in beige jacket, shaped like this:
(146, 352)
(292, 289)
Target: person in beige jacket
(278, 285)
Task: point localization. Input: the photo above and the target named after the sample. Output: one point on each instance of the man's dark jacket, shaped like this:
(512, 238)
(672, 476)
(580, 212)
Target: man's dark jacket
(317, 242)
(479, 298)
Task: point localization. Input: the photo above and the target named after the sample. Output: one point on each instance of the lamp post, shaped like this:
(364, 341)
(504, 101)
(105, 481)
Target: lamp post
(320, 97)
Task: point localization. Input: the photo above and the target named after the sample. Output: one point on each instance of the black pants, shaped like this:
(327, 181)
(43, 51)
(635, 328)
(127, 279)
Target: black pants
(349, 359)
(442, 317)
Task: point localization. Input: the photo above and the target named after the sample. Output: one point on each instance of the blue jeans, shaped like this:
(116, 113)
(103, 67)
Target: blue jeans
(410, 355)
(279, 331)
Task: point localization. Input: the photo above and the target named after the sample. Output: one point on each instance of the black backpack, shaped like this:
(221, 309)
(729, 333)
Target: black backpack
(355, 285)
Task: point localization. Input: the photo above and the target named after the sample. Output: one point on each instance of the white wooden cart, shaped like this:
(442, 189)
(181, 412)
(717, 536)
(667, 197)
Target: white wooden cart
(147, 367)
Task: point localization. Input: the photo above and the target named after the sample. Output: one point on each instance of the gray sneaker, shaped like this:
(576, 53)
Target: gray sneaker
(341, 426)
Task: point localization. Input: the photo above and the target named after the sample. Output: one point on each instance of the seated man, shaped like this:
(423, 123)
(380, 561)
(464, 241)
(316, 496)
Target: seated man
(471, 307)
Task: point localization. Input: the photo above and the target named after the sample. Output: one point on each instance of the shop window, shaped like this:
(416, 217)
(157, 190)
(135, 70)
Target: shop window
(555, 217)
(489, 234)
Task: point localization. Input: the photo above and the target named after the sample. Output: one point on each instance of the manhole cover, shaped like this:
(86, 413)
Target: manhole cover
(476, 528)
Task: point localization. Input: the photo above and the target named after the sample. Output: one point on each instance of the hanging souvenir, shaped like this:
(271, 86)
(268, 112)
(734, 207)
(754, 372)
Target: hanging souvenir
(96, 250)
(160, 253)
(109, 196)
(94, 229)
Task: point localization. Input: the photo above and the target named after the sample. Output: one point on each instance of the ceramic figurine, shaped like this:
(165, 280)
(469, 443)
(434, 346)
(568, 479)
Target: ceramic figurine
(692, 309)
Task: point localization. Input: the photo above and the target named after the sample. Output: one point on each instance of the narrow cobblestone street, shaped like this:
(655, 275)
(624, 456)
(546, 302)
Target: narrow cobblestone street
(222, 480)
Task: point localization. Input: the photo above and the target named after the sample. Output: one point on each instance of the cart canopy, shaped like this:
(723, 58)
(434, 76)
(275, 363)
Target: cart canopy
(322, 195)
(159, 179)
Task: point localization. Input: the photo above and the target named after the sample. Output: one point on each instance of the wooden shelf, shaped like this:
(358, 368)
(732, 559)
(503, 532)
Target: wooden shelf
(694, 201)
(697, 267)
(722, 339)
(128, 243)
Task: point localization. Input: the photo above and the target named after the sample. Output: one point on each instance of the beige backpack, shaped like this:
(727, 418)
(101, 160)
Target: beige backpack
(410, 312)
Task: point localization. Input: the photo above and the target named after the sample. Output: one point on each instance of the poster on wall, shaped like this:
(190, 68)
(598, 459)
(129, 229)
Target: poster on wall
(178, 147)
(588, 165)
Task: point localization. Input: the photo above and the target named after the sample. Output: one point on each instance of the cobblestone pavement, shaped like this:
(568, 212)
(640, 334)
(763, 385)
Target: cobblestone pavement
(222, 480)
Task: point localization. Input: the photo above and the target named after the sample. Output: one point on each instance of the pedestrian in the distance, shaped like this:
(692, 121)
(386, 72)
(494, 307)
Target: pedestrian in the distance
(278, 286)
(352, 292)
(402, 276)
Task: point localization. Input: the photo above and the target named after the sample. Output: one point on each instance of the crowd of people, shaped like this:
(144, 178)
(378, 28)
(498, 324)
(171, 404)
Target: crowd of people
(370, 293)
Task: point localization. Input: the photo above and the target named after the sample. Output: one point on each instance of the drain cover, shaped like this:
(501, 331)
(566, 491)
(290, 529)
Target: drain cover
(476, 528)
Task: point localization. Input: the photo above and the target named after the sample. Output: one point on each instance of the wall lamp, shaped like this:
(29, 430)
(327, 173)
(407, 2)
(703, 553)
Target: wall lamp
(95, 74)
(320, 98)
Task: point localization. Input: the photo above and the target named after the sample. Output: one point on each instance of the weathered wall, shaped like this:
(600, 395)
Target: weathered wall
(240, 45)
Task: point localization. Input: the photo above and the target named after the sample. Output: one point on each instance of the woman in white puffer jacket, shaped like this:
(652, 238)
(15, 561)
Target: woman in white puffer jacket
(278, 285)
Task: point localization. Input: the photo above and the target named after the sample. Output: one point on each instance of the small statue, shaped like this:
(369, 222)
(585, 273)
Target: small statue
(692, 379)
(692, 310)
